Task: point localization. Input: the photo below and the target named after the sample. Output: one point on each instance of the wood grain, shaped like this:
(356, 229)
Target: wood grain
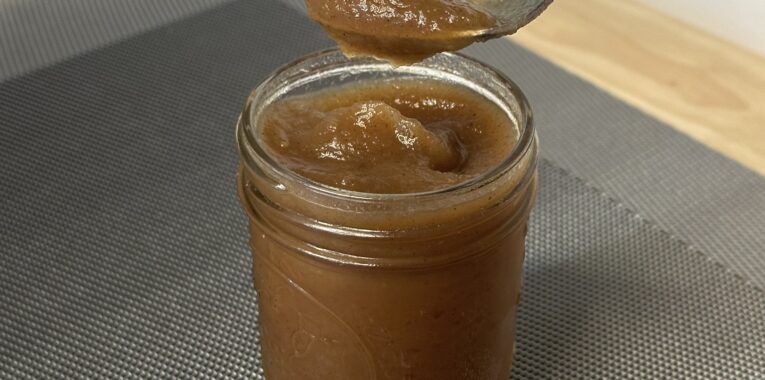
(705, 87)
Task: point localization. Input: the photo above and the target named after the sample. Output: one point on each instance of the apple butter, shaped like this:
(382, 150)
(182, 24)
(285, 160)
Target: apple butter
(402, 32)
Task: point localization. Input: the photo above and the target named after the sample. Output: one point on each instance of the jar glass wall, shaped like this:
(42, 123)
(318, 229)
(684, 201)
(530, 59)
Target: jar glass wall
(387, 286)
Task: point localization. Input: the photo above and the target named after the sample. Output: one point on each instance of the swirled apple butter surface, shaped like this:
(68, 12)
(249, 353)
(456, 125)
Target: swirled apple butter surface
(401, 31)
(402, 136)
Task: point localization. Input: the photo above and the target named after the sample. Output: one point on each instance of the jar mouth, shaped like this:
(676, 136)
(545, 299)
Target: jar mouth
(255, 154)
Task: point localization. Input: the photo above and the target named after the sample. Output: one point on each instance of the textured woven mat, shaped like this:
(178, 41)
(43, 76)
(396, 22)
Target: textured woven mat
(35, 33)
(124, 250)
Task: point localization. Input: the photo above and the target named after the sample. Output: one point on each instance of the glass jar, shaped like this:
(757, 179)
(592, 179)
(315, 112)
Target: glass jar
(362, 286)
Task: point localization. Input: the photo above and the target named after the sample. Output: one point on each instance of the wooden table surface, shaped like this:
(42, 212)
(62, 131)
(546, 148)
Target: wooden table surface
(705, 87)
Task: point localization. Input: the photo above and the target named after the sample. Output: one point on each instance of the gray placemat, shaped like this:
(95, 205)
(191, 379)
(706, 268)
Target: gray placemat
(124, 249)
(36, 33)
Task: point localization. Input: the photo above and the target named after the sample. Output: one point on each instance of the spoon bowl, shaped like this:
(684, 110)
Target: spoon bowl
(404, 32)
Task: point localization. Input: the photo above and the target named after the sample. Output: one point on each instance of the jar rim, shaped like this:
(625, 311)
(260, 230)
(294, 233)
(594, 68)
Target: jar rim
(252, 148)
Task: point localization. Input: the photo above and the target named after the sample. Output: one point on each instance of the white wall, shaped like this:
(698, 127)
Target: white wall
(739, 21)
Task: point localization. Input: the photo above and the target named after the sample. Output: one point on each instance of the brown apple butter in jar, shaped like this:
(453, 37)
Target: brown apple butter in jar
(388, 212)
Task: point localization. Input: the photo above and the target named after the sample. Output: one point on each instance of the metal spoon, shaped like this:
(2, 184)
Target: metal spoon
(511, 15)
(401, 49)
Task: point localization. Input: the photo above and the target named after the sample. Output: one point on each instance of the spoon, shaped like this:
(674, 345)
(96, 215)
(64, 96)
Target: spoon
(511, 15)
(408, 31)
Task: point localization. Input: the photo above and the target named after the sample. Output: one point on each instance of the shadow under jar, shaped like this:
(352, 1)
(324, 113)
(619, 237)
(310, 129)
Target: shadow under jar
(362, 286)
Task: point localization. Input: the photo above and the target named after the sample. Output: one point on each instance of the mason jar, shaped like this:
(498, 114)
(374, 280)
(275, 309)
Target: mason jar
(362, 286)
